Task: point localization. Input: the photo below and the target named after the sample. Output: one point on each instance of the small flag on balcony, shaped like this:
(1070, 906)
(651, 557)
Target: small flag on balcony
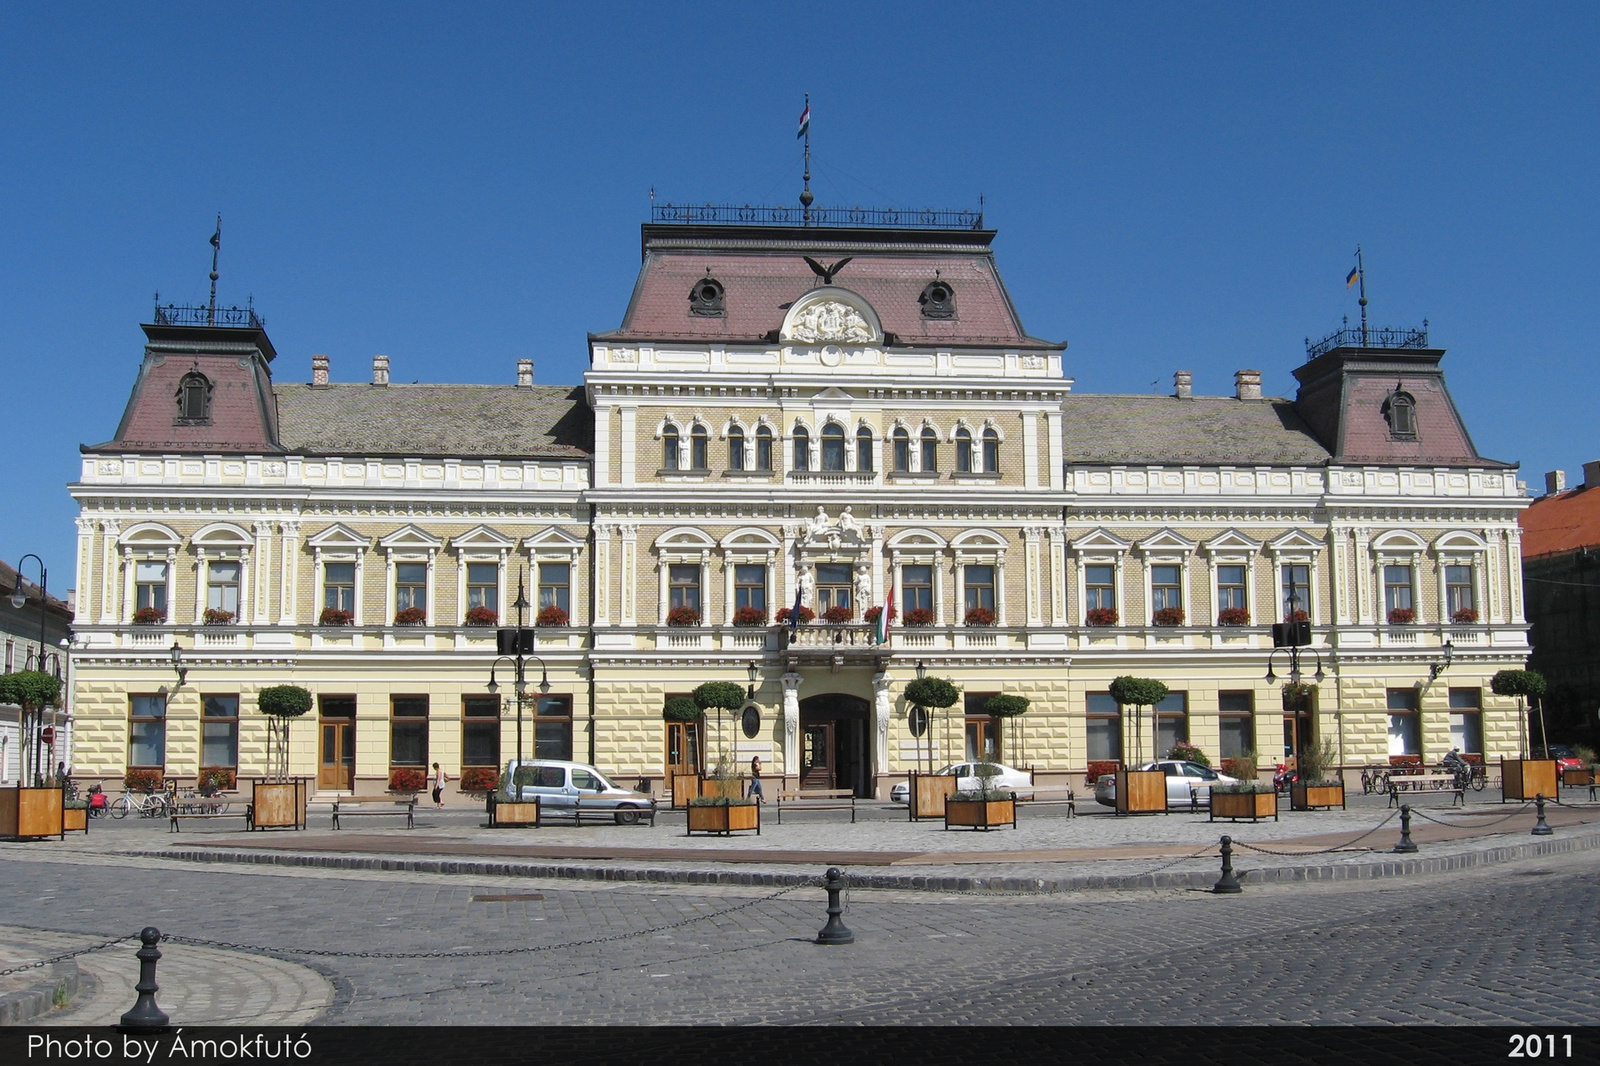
(794, 614)
(881, 630)
(805, 122)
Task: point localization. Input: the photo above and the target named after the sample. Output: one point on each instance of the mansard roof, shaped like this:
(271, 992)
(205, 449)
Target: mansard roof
(489, 421)
(763, 271)
(1202, 430)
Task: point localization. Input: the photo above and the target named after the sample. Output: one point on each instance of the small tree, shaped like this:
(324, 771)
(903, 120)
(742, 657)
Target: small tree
(931, 693)
(281, 704)
(33, 691)
(681, 709)
(1137, 692)
(719, 696)
(1007, 706)
(1523, 684)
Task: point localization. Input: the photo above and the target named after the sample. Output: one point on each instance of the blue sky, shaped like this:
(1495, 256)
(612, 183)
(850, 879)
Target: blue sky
(457, 186)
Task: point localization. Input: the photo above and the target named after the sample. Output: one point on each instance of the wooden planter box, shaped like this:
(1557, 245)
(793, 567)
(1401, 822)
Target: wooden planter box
(1313, 797)
(512, 814)
(928, 793)
(1523, 779)
(729, 788)
(75, 820)
(29, 813)
(684, 788)
(1141, 792)
(980, 814)
(278, 804)
(724, 818)
(1583, 778)
(1252, 805)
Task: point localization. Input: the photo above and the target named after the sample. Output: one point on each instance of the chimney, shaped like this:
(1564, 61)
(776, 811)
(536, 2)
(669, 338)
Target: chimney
(319, 370)
(525, 373)
(1556, 481)
(1247, 384)
(1183, 383)
(380, 370)
(1591, 474)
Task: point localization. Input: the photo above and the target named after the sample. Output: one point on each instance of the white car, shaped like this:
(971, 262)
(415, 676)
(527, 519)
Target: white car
(967, 780)
(561, 784)
(1181, 778)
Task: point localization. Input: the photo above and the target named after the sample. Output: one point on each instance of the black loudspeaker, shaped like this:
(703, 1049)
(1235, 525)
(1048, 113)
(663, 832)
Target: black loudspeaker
(506, 641)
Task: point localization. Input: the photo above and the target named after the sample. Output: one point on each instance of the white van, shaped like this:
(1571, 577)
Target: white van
(563, 785)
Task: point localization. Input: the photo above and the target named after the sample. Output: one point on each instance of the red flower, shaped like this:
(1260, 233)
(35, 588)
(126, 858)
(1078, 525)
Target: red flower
(1233, 616)
(1465, 617)
(551, 615)
(837, 615)
(408, 779)
(1101, 616)
(149, 616)
(214, 617)
(482, 616)
(683, 616)
(1169, 616)
(1100, 767)
(410, 616)
(806, 615)
(1402, 616)
(142, 780)
(872, 615)
(332, 616)
(479, 779)
(980, 616)
(918, 617)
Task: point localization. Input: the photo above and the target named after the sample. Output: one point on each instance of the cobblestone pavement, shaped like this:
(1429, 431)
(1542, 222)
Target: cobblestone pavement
(1507, 944)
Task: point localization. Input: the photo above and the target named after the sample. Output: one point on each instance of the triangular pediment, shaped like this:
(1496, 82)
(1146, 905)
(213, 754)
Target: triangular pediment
(1100, 539)
(338, 535)
(1232, 540)
(410, 536)
(482, 537)
(1296, 540)
(1166, 540)
(551, 537)
(834, 393)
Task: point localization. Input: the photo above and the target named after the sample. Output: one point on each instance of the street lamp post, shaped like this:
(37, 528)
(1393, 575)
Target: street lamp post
(19, 599)
(515, 646)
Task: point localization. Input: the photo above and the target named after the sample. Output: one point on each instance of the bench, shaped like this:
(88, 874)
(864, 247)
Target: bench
(1052, 797)
(174, 816)
(385, 805)
(1421, 784)
(817, 799)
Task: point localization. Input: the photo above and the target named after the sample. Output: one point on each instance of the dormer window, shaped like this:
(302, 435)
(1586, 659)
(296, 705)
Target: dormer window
(1400, 410)
(938, 300)
(705, 299)
(194, 399)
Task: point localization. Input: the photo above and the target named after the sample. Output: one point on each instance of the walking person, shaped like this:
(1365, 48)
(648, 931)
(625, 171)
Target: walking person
(439, 779)
(755, 781)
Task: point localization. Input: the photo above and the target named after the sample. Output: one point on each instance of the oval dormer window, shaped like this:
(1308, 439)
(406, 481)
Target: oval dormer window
(938, 300)
(1400, 410)
(194, 399)
(705, 299)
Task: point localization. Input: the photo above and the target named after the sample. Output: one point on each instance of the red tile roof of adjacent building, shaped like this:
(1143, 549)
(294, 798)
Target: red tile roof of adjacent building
(1564, 522)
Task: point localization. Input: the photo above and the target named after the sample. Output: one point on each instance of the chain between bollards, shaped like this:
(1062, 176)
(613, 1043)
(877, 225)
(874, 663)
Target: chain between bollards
(146, 1017)
(1229, 884)
(1406, 845)
(834, 932)
(1541, 828)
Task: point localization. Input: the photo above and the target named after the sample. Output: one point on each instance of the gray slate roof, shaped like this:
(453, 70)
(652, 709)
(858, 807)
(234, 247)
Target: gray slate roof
(1204, 430)
(498, 421)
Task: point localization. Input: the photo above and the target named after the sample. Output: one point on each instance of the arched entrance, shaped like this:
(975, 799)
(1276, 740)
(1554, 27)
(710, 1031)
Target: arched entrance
(836, 743)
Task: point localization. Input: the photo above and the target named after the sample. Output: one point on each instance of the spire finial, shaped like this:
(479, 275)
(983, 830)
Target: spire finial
(216, 249)
(1361, 276)
(805, 131)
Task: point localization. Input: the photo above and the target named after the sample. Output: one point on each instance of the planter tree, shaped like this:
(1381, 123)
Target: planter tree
(281, 704)
(1524, 685)
(1138, 692)
(1008, 706)
(33, 691)
(719, 696)
(931, 693)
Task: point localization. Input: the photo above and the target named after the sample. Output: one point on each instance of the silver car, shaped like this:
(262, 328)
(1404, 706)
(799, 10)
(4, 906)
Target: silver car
(967, 780)
(1184, 780)
(564, 785)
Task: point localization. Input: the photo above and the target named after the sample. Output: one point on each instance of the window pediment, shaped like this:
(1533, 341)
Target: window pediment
(410, 536)
(338, 535)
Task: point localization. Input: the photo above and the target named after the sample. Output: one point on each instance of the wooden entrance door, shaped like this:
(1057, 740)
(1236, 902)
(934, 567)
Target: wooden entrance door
(816, 756)
(683, 748)
(336, 769)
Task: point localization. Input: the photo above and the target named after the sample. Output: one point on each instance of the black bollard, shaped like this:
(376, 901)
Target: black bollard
(1541, 828)
(1229, 884)
(834, 932)
(146, 1017)
(1406, 845)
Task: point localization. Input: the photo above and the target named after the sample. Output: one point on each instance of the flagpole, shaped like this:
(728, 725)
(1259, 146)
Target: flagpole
(805, 194)
(1361, 276)
(216, 247)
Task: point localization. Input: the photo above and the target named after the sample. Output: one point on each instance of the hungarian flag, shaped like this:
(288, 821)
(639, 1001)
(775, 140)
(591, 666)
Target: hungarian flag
(805, 122)
(880, 631)
(1350, 278)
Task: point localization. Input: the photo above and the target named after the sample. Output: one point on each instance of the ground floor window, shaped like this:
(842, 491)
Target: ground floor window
(219, 732)
(480, 731)
(1104, 728)
(1172, 721)
(1236, 725)
(408, 731)
(982, 730)
(1466, 720)
(1405, 727)
(552, 728)
(147, 731)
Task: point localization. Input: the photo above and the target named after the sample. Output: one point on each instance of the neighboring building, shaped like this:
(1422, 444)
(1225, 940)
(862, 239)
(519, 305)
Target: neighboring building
(788, 414)
(20, 629)
(1561, 569)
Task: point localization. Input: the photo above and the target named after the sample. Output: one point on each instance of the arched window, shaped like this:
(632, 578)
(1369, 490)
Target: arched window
(864, 449)
(802, 449)
(735, 448)
(764, 449)
(991, 452)
(1401, 411)
(930, 450)
(699, 453)
(832, 447)
(194, 398)
(669, 448)
(902, 451)
(963, 451)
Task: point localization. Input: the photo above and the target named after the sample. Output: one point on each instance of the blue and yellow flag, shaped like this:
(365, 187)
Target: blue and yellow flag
(1350, 278)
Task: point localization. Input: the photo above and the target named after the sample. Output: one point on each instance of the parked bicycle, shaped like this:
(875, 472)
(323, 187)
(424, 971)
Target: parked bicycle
(208, 800)
(147, 804)
(1375, 779)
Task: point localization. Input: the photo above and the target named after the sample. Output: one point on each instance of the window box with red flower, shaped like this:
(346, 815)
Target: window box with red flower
(410, 616)
(919, 617)
(837, 615)
(872, 615)
(551, 615)
(806, 615)
(683, 616)
(408, 779)
(1233, 616)
(1467, 616)
(980, 616)
(214, 617)
(1099, 768)
(479, 779)
(482, 616)
(749, 616)
(217, 779)
(1168, 616)
(332, 616)
(1402, 616)
(149, 616)
(1101, 616)
(139, 779)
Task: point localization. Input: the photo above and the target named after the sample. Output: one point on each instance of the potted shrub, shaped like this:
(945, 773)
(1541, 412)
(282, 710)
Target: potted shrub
(1168, 616)
(980, 616)
(749, 616)
(408, 779)
(928, 791)
(1188, 753)
(1247, 799)
(410, 616)
(1318, 784)
(1233, 616)
(837, 615)
(149, 616)
(281, 801)
(218, 779)
(551, 615)
(143, 779)
(683, 616)
(984, 807)
(1139, 791)
(918, 617)
(479, 779)
(31, 811)
(1101, 616)
(214, 617)
(333, 616)
(1466, 616)
(805, 615)
(1402, 616)
(482, 616)
(1099, 768)
(1524, 778)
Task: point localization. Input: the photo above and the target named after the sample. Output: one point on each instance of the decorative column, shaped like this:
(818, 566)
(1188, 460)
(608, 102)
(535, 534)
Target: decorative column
(1000, 587)
(602, 574)
(1514, 609)
(959, 576)
(246, 593)
(1032, 536)
(1339, 574)
(1058, 591)
(85, 563)
(109, 605)
(202, 582)
(882, 704)
(1363, 577)
(289, 573)
(628, 573)
(791, 722)
(263, 574)
(938, 590)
